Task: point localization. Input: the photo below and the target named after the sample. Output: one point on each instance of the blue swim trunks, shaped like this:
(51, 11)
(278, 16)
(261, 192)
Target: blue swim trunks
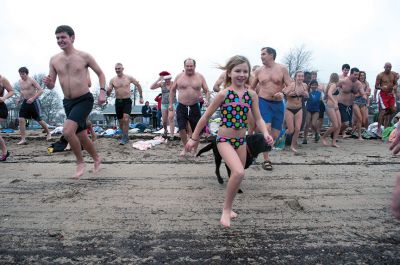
(273, 112)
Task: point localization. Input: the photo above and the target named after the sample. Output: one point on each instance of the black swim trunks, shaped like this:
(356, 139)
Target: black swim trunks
(186, 114)
(78, 109)
(123, 105)
(346, 113)
(30, 111)
(3, 110)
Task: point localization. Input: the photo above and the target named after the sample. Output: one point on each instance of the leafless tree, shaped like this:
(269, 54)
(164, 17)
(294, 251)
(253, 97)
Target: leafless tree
(50, 101)
(298, 58)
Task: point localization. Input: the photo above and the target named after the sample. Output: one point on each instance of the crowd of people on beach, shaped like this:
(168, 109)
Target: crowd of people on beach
(261, 99)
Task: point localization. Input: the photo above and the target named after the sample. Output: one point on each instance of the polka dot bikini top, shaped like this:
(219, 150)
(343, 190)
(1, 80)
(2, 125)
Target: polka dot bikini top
(234, 110)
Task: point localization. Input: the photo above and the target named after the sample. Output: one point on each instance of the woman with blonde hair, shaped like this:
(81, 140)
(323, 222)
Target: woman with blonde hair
(332, 110)
(294, 113)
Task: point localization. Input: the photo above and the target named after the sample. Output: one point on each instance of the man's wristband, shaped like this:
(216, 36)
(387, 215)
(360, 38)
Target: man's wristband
(102, 88)
(195, 139)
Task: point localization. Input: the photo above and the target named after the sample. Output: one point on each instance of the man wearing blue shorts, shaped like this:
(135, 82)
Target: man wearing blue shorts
(268, 81)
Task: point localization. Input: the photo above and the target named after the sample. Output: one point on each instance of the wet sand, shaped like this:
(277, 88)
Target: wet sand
(322, 206)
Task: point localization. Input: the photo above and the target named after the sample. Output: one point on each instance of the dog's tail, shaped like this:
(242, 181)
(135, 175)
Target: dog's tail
(205, 149)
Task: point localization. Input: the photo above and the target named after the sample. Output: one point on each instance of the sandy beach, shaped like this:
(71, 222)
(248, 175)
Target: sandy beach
(321, 206)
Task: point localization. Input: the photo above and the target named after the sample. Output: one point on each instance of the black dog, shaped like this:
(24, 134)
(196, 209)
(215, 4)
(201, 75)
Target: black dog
(255, 145)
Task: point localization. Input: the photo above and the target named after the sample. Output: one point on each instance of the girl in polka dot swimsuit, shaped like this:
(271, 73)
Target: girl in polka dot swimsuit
(235, 102)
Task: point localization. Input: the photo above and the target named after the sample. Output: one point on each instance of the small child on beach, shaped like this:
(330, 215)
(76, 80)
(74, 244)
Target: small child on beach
(234, 101)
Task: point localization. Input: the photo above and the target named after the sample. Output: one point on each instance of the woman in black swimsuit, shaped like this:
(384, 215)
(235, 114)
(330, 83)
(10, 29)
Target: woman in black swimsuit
(332, 110)
(294, 113)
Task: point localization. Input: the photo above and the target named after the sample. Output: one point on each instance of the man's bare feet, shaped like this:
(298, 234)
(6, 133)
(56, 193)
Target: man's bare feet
(225, 218)
(22, 142)
(183, 153)
(48, 137)
(335, 145)
(294, 150)
(324, 142)
(96, 166)
(360, 139)
(80, 169)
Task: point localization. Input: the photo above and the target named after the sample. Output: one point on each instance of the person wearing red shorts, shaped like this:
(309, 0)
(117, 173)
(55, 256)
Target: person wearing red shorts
(386, 84)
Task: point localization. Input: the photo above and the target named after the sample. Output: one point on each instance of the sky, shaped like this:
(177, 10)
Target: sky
(150, 36)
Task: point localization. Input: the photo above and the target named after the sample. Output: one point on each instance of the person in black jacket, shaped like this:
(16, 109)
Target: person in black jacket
(146, 112)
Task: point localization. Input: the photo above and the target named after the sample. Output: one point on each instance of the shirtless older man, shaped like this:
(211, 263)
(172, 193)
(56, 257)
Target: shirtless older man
(30, 108)
(123, 102)
(189, 83)
(348, 87)
(71, 66)
(269, 81)
(386, 84)
(5, 86)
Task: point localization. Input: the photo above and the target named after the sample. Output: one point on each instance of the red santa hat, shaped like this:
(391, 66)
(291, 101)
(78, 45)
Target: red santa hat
(165, 75)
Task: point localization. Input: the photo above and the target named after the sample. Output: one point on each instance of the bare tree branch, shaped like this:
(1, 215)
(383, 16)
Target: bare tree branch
(298, 58)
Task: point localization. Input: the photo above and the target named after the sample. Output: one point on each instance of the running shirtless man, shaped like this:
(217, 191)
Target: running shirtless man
(269, 81)
(348, 87)
(71, 66)
(189, 83)
(30, 108)
(123, 102)
(386, 83)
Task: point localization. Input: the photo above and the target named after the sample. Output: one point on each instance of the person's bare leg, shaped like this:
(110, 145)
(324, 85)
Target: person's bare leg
(365, 117)
(297, 126)
(90, 148)
(73, 140)
(290, 127)
(3, 147)
(125, 122)
(380, 122)
(332, 117)
(358, 118)
(307, 126)
(22, 130)
(337, 125)
(314, 122)
(183, 135)
(171, 123)
(46, 128)
(235, 162)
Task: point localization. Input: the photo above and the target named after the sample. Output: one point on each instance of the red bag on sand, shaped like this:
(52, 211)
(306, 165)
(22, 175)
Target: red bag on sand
(396, 199)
